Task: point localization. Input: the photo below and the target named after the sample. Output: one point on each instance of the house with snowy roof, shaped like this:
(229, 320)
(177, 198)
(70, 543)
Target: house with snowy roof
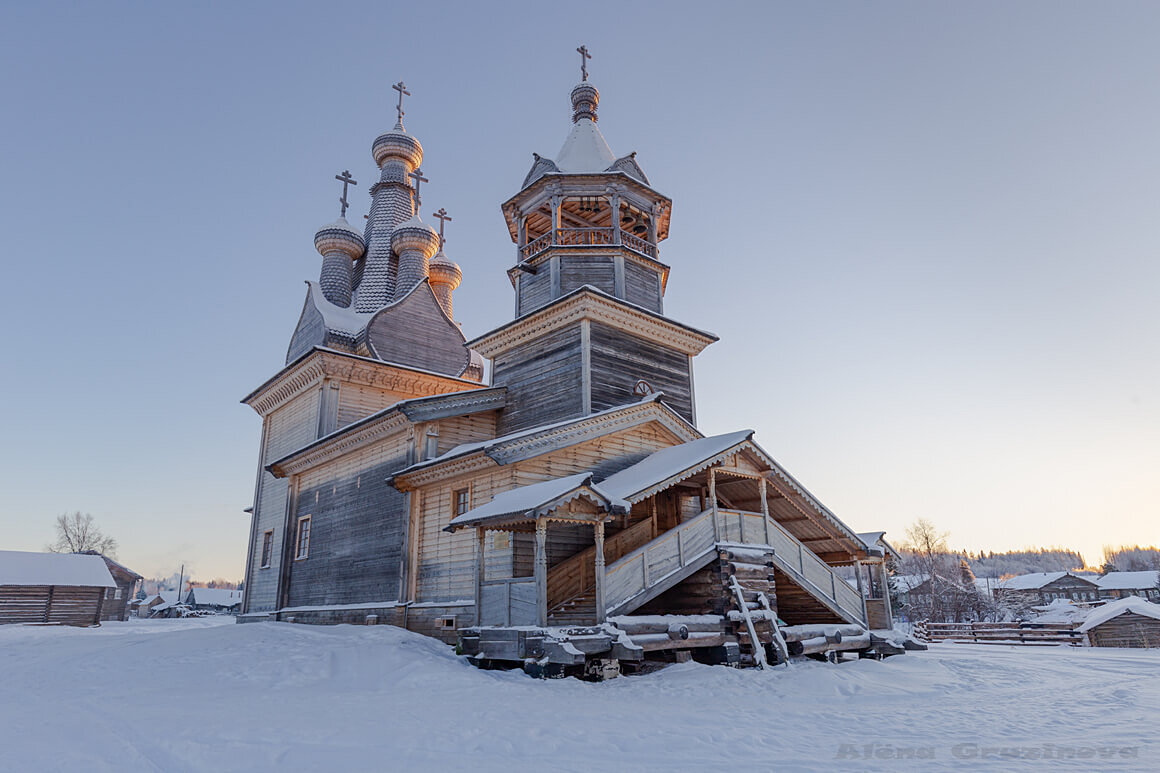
(117, 600)
(1127, 622)
(62, 588)
(1044, 587)
(220, 600)
(1118, 585)
(568, 500)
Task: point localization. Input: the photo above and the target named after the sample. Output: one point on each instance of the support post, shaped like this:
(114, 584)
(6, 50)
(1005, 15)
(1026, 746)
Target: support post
(713, 503)
(883, 581)
(600, 611)
(542, 571)
(522, 231)
(858, 574)
(614, 204)
(765, 512)
(480, 536)
(556, 201)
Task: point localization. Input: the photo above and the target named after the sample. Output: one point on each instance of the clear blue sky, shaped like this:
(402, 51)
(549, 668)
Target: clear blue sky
(927, 234)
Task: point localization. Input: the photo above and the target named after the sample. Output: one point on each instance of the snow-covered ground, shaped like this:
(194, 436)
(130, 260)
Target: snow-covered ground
(208, 695)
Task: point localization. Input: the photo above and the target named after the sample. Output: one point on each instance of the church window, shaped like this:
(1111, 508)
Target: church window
(303, 538)
(432, 449)
(462, 501)
(267, 548)
(117, 593)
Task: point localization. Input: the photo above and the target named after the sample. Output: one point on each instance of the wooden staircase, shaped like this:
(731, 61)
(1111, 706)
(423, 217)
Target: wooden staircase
(578, 610)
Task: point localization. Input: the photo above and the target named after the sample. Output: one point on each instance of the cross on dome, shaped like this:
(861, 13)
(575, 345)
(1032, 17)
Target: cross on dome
(402, 89)
(584, 57)
(346, 180)
(418, 177)
(443, 218)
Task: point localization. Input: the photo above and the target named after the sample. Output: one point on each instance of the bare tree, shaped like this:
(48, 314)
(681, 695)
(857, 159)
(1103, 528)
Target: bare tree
(77, 532)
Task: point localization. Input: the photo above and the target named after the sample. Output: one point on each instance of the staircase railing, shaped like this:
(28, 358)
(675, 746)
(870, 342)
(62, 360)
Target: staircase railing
(653, 562)
(576, 574)
(791, 556)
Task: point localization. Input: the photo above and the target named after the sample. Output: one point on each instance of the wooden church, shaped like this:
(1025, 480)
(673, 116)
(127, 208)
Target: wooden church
(567, 513)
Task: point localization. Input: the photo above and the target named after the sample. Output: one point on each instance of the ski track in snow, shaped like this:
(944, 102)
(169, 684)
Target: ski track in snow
(208, 695)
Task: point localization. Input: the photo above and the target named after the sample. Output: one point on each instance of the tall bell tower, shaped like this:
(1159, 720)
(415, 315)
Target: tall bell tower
(589, 331)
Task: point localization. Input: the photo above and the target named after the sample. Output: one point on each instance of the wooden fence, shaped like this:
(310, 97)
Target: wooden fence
(998, 633)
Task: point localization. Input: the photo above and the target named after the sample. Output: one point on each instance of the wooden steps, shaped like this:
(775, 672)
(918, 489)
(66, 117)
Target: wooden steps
(578, 610)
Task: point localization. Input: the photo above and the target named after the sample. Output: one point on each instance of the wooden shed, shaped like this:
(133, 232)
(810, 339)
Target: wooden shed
(1129, 622)
(66, 588)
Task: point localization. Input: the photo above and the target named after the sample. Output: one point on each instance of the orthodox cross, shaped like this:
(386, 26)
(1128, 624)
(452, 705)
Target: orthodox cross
(444, 218)
(402, 89)
(346, 180)
(584, 57)
(418, 177)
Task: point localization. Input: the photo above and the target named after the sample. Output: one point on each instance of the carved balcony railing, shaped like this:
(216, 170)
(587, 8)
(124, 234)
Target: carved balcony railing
(587, 237)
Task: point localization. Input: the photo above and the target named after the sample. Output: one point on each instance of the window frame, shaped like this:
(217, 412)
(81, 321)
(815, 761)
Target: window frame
(466, 491)
(302, 551)
(267, 556)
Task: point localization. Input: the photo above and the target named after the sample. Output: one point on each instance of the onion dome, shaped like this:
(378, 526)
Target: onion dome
(339, 236)
(397, 144)
(585, 99)
(444, 271)
(415, 235)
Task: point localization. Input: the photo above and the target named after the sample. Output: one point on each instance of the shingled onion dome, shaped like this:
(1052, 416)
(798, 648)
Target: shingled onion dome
(445, 276)
(585, 100)
(415, 243)
(340, 245)
(397, 154)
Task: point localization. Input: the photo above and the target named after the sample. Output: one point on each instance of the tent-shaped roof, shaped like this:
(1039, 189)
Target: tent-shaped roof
(74, 569)
(1112, 609)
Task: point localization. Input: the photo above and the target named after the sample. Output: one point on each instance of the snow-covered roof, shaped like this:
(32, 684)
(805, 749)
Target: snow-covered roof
(536, 499)
(1061, 611)
(1035, 580)
(615, 491)
(873, 539)
(218, 597)
(75, 569)
(1112, 609)
(585, 150)
(670, 462)
(1129, 580)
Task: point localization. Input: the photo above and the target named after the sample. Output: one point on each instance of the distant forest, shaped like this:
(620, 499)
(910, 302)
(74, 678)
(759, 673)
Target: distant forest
(1015, 562)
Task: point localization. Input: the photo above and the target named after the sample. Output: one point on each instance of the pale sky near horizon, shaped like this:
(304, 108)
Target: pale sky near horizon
(927, 234)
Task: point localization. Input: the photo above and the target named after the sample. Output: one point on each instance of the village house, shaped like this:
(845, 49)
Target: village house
(1118, 585)
(220, 600)
(554, 512)
(117, 600)
(1127, 622)
(1041, 588)
(65, 588)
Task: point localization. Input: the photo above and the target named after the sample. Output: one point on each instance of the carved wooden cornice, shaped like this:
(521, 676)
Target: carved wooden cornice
(472, 463)
(390, 424)
(588, 303)
(527, 445)
(319, 363)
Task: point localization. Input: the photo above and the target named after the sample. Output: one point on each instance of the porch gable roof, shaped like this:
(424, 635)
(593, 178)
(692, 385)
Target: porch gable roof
(526, 503)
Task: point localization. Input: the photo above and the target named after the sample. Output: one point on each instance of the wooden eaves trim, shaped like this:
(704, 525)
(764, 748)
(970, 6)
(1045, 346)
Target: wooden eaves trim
(528, 444)
(320, 362)
(587, 302)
